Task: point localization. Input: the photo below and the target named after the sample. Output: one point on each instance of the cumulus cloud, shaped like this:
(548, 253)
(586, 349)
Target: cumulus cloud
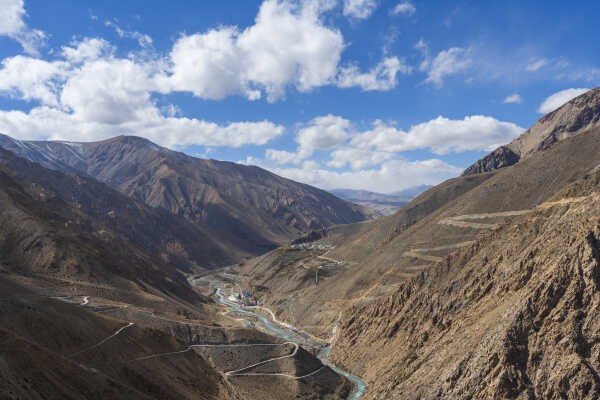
(12, 13)
(90, 95)
(358, 158)
(50, 123)
(382, 77)
(288, 45)
(374, 156)
(322, 133)
(449, 62)
(88, 49)
(391, 176)
(406, 8)
(11, 17)
(30, 79)
(440, 135)
(360, 9)
(556, 100)
(513, 98)
(385, 142)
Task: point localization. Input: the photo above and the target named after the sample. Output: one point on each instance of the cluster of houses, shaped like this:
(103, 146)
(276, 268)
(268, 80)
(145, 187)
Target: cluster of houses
(311, 246)
(247, 299)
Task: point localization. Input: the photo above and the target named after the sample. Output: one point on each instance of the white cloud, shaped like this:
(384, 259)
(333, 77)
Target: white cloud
(385, 142)
(556, 100)
(284, 157)
(87, 50)
(322, 133)
(513, 98)
(358, 158)
(249, 160)
(288, 45)
(536, 64)
(11, 17)
(12, 13)
(585, 74)
(360, 9)
(423, 48)
(440, 135)
(92, 95)
(405, 7)
(30, 79)
(381, 77)
(391, 176)
(50, 123)
(449, 62)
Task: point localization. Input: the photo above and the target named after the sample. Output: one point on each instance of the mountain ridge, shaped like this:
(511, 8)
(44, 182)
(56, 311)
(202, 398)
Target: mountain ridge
(245, 209)
(580, 114)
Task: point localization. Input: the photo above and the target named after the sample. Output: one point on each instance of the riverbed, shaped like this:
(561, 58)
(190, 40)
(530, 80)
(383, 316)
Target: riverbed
(289, 334)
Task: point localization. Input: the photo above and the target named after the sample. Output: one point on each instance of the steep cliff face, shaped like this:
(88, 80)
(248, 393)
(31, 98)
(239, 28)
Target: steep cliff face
(515, 315)
(578, 115)
(502, 157)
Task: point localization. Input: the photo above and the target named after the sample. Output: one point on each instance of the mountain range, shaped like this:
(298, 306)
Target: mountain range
(384, 204)
(236, 211)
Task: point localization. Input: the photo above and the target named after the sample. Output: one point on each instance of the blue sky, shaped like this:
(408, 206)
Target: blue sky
(364, 94)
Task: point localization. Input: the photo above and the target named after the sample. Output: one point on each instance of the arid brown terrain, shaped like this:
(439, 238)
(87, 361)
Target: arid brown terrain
(238, 211)
(482, 287)
(94, 303)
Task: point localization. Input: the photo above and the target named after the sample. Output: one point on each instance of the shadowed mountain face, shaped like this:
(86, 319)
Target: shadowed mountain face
(578, 115)
(247, 210)
(170, 239)
(71, 228)
(485, 286)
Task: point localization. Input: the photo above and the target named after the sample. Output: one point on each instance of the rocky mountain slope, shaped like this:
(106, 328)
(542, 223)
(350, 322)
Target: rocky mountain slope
(514, 315)
(48, 351)
(420, 304)
(578, 115)
(60, 227)
(246, 210)
(169, 238)
(93, 303)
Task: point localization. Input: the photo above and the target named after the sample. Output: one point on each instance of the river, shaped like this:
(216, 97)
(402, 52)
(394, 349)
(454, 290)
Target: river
(290, 336)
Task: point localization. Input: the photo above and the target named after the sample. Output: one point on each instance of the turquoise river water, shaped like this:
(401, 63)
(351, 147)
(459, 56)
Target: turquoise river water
(291, 336)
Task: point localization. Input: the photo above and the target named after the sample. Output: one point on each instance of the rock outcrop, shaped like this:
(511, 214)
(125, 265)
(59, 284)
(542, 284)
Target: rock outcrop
(502, 157)
(578, 115)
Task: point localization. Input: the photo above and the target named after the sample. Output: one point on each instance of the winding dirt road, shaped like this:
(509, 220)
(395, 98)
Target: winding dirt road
(100, 343)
